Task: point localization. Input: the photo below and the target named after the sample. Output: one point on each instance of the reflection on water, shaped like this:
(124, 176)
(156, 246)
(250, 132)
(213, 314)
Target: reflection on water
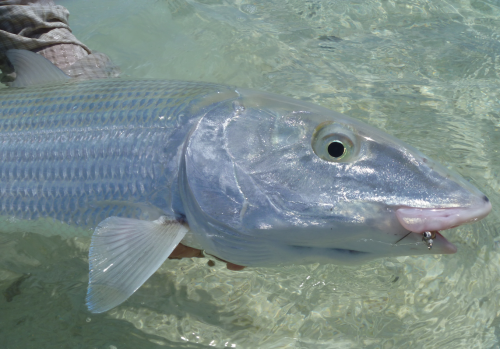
(425, 71)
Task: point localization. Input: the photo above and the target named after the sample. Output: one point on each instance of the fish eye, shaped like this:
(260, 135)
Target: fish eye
(336, 149)
(333, 142)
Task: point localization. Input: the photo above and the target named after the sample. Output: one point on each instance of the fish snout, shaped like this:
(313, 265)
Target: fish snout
(419, 220)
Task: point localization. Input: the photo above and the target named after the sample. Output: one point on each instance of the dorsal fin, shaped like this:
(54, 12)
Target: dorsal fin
(32, 69)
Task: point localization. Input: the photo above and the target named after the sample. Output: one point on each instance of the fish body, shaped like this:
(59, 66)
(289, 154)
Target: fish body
(82, 152)
(253, 178)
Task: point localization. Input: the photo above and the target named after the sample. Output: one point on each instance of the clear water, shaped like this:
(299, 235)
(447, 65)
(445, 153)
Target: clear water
(425, 71)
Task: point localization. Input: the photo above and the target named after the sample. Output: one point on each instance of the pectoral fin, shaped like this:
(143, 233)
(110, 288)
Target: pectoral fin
(124, 253)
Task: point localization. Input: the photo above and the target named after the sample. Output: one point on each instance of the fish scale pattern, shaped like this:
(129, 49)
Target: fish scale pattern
(82, 152)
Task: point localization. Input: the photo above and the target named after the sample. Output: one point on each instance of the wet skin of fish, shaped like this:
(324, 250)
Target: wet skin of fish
(253, 178)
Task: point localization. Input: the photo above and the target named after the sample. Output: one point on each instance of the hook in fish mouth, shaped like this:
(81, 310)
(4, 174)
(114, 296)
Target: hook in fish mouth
(427, 237)
(430, 221)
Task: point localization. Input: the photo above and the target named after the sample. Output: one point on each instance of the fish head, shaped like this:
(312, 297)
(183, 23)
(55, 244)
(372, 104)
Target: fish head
(272, 180)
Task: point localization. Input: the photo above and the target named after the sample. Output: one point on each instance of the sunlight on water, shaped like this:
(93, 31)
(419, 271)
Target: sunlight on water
(425, 71)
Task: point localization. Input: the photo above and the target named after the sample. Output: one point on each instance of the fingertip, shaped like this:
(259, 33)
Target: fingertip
(234, 267)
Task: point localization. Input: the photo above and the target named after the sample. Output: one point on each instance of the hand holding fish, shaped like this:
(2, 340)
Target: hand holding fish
(183, 251)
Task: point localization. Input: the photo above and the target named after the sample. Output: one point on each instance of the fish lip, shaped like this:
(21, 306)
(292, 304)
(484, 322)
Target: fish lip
(419, 220)
(448, 247)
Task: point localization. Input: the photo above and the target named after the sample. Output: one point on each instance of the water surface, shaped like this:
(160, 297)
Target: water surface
(424, 71)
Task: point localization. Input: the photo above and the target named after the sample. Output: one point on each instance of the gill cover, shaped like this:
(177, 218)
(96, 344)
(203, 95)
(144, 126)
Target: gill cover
(253, 179)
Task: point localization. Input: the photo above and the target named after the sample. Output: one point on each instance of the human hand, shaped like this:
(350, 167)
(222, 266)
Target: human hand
(183, 251)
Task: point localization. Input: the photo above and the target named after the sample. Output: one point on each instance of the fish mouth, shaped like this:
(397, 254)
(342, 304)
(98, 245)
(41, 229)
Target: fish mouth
(434, 220)
(447, 247)
(419, 220)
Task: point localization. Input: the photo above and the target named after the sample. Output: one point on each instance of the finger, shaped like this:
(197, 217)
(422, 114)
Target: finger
(183, 251)
(234, 267)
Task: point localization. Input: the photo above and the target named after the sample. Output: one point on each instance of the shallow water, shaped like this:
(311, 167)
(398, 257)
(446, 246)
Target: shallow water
(424, 71)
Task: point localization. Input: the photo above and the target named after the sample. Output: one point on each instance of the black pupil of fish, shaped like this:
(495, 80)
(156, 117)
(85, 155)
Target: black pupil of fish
(336, 149)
